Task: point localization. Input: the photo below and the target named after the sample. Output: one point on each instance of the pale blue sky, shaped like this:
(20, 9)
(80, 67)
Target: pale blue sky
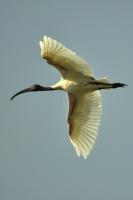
(37, 160)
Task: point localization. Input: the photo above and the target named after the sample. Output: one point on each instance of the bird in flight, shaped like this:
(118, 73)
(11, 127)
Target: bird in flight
(83, 93)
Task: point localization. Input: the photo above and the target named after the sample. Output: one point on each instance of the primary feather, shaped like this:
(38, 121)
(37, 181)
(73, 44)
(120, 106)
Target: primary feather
(63, 59)
(84, 122)
(84, 105)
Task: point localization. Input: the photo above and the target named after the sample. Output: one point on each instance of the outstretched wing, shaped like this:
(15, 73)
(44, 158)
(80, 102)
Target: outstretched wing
(65, 60)
(84, 120)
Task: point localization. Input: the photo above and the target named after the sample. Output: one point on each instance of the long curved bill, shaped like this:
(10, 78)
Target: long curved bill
(33, 88)
(29, 89)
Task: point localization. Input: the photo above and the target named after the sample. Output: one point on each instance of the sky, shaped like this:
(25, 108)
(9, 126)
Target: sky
(37, 160)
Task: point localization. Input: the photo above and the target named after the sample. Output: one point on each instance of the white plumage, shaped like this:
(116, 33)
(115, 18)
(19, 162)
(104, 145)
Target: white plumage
(83, 93)
(84, 105)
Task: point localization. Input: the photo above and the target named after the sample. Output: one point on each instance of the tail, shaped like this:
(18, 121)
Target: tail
(104, 80)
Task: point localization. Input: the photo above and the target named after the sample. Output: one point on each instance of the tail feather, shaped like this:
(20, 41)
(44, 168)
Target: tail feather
(104, 80)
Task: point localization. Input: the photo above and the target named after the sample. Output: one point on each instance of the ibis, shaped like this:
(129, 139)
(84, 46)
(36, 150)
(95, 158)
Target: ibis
(77, 79)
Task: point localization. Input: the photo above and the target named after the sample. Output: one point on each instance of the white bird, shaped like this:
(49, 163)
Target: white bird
(83, 93)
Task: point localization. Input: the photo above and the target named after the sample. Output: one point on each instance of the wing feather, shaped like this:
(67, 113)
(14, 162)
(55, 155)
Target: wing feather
(61, 57)
(85, 120)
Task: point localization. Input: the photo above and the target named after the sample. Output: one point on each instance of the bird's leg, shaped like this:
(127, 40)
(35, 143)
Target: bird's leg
(99, 85)
(111, 85)
(116, 85)
(33, 88)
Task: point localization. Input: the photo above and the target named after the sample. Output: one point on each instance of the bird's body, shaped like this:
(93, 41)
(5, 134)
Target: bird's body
(83, 93)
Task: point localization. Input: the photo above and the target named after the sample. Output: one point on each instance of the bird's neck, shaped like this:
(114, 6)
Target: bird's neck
(41, 88)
